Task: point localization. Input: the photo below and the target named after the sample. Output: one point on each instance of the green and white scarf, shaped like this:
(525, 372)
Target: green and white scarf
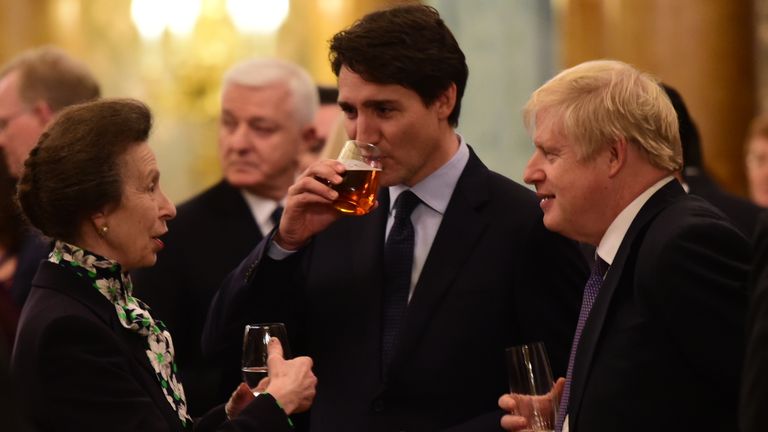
(133, 314)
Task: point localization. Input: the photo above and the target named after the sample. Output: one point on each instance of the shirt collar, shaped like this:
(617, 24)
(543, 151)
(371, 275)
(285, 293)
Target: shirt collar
(261, 208)
(436, 189)
(614, 235)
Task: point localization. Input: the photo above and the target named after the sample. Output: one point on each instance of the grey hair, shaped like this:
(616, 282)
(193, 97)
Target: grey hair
(261, 72)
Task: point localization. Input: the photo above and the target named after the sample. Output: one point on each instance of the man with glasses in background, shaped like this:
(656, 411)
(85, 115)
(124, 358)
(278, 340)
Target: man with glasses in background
(34, 87)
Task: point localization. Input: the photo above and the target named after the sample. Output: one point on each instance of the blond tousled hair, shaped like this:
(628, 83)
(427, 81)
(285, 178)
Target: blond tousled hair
(598, 102)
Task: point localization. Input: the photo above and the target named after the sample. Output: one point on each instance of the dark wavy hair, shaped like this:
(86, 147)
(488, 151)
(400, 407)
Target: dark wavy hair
(74, 171)
(407, 45)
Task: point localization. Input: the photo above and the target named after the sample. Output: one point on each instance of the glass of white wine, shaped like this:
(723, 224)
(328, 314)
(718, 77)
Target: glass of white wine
(255, 342)
(531, 385)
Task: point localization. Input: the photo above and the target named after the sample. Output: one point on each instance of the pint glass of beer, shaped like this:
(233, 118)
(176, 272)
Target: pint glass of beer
(360, 183)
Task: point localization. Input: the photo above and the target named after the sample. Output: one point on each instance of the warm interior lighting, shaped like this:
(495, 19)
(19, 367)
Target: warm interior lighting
(181, 15)
(330, 7)
(148, 17)
(258, 16)
(152, 17)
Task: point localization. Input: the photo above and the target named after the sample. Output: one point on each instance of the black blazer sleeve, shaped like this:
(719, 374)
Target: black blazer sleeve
(261, 415)
(240, 298)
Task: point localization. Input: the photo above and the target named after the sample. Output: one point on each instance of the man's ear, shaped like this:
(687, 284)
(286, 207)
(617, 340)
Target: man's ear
(43, 112)
(446, 102)
(617, 156)
(308, 139)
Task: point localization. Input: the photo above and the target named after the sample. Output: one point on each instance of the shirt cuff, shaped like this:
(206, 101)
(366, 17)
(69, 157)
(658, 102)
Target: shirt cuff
(278, 253)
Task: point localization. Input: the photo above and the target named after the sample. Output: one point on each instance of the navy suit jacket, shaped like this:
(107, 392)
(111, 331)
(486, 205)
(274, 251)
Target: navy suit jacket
(81, 370)
(754, 393)
(663, 346)
(742, 213)
(33, 249)
(494, 277)
(210, 235)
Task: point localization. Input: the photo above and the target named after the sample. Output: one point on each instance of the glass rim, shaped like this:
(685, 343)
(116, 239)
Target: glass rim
(363, 145)
(262, 325)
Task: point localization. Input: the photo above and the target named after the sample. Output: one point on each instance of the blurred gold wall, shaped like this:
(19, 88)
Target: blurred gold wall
(703, 48)
(178, 77)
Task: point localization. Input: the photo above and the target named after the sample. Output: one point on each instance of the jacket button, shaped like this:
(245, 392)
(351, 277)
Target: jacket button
(378, 405)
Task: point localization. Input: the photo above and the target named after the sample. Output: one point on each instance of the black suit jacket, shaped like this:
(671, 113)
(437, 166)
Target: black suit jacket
(663, 344)
(754, 391)
(80, 370)
(743, 213)
(11, 411)
(494, 277)
(33, 249)
(209, 237)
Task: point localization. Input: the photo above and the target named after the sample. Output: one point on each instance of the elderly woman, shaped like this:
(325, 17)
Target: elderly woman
(88, 355)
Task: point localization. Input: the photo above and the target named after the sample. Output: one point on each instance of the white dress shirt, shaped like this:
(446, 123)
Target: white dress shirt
(261, 209)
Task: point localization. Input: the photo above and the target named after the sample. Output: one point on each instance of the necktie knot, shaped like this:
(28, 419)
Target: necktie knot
(599, 267)
(405, 204)
(276, 215)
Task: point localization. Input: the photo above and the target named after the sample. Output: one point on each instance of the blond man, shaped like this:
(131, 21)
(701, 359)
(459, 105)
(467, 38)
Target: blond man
(660, 336)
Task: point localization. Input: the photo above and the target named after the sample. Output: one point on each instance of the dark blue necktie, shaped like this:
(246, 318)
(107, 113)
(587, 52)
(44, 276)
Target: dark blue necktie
(590, 293)
(276, 215)
(398, 264)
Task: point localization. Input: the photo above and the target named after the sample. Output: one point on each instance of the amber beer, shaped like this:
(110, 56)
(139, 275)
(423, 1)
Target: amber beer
(357, 190)
(360, 183)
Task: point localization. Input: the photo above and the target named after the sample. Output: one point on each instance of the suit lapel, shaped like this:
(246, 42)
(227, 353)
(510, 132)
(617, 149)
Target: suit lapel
(593, 327)
(455, 241)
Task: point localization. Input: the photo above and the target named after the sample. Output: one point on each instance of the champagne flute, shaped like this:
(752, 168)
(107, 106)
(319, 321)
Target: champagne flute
(255, 342)
(531, 385)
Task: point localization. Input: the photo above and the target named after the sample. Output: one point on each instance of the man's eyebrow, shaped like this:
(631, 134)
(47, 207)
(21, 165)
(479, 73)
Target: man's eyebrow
(378, 102)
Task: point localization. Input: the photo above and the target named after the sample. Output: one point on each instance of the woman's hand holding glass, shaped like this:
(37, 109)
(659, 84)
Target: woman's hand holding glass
(291, 382)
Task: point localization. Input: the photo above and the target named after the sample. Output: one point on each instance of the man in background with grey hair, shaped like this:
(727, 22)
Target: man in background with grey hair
(267, 112)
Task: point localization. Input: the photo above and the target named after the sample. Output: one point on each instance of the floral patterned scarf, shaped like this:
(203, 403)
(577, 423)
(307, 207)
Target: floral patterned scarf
(133, 314)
